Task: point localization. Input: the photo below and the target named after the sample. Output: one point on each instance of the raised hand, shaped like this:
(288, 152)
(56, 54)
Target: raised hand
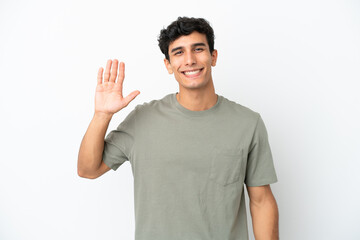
(108, 97)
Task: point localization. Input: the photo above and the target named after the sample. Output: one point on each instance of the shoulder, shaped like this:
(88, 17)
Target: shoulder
(238, 111)
(154, 106)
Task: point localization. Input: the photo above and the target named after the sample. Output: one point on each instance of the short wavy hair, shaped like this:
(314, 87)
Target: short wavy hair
(185, 26)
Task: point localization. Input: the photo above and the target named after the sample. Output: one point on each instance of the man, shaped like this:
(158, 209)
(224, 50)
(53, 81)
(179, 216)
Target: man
(191, 152)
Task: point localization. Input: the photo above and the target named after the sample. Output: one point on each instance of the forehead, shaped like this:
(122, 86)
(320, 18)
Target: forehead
(188, 40)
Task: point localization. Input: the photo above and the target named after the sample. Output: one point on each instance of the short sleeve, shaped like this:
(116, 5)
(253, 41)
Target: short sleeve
(119, 143)
(260, 168)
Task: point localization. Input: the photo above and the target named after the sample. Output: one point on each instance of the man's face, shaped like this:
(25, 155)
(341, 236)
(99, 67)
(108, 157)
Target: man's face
(191, 61)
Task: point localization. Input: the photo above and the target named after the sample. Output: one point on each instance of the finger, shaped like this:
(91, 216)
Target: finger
(121, 76)
(100, 75)
(121, 72)
(107, 71)
(114, 67)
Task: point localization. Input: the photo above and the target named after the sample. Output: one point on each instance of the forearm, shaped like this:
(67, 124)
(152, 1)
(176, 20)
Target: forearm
(92, 144)
(265, 219)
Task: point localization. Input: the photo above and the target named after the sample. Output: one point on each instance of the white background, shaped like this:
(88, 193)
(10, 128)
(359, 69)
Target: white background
(295, 62)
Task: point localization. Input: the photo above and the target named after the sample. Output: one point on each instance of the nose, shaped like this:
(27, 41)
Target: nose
(190, 58)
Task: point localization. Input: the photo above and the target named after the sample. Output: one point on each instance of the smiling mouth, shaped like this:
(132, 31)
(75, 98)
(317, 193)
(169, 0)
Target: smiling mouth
(192, 73)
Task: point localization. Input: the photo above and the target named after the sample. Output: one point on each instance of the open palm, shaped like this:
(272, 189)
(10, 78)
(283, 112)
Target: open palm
(108, 97)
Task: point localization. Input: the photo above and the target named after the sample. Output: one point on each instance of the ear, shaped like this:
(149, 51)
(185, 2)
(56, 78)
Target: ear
(214, 56)
(168, 66)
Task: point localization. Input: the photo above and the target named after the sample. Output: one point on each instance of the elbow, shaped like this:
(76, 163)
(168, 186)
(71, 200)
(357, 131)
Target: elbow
(83, 170)
(89, 169)
(84, 174)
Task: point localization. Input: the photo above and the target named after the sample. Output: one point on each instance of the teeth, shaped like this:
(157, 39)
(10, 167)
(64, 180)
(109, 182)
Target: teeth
(191, 72)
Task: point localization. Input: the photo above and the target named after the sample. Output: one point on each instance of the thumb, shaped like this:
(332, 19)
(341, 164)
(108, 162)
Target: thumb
(131, 97)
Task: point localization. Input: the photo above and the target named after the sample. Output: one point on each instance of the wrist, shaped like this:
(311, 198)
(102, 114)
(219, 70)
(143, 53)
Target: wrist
(103, 115)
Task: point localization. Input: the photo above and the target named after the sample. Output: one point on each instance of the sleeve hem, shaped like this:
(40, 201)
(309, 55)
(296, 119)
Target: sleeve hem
(261, 183)
(110, 164)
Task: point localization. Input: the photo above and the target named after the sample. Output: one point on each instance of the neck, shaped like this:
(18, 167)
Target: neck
(197, 99)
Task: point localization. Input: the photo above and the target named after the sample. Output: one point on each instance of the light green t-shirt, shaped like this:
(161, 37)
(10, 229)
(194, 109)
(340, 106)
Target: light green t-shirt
(190, 167)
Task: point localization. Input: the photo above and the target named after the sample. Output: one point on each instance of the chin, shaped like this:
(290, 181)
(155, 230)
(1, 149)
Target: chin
(194, 86)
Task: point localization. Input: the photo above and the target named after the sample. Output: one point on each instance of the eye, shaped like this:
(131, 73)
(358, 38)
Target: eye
(199, 49)
(178, 53)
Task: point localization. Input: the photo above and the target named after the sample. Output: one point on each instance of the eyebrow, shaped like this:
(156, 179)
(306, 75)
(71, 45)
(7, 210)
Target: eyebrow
(193, 45)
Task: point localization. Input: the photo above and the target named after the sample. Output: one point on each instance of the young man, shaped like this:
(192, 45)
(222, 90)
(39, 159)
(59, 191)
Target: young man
(191, 152)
